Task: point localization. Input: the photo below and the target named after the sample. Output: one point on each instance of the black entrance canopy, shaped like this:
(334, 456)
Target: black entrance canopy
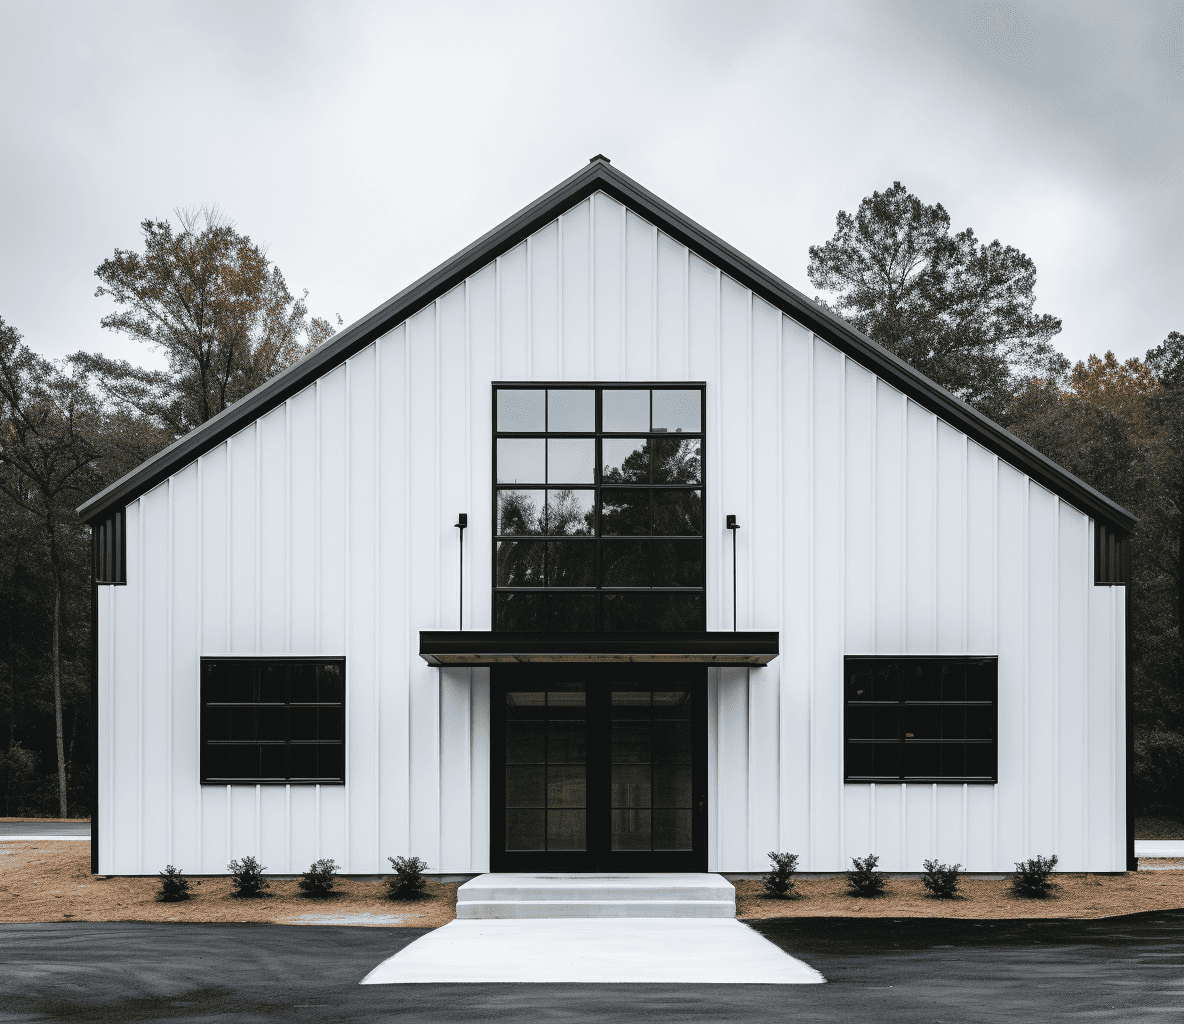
(474, 647)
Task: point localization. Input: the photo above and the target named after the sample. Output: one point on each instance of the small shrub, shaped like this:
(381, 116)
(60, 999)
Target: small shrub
(942, 880)
(247, 877)
(320, 878)
(864, 879)
(174, 886)
(408, 881)
(779, 883)
(1032, 877)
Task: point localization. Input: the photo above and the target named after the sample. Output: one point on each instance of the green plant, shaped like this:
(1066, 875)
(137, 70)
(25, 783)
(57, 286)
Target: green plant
(174, 886)
(1032, 877)
(247, 877)
(779, 883)
(408, 881)
(320, 878)
(942, 880)
(864, 879)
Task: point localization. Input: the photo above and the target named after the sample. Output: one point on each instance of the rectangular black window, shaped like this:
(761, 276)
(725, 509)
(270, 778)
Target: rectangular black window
(598, 507)
(272, 720)
(109, 548)
(1112, 556)
(921, 719)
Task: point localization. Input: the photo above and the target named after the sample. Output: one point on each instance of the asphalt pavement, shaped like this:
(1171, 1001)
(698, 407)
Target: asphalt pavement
(1127, 970)
(44, 827)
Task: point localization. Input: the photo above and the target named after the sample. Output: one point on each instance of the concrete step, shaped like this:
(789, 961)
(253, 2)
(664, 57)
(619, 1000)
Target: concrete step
(596, 895)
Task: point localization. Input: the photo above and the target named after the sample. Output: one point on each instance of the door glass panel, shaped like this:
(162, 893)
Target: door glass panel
(631, 785)
(565, 785)
(567, 830)
(631, 829)
(525, 829)
(525, 785)
(672, 785)
(672, 829)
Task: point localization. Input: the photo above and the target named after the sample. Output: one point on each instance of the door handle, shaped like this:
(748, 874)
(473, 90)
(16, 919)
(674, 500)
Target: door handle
(702, 803)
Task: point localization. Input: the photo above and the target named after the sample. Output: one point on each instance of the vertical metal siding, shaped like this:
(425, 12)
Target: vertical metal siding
(867, 525)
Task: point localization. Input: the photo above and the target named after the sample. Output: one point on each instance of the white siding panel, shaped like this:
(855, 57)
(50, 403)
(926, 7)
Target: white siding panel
(867, 525)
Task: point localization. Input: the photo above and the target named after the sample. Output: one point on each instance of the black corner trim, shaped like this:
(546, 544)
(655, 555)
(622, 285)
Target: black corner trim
(600, 176)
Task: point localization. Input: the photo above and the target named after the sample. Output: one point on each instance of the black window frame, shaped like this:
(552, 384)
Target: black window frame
(599, 590)
(206, 742)
(109, 549)
(904, 740)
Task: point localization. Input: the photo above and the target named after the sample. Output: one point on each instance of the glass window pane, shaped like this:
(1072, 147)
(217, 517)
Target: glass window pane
(980, 680)
(566, 830)
(330, 682)
(526, 785)
(980, 723)
(678, 513)
(860, 724)
(567, 700)
(520, 563)
(273, 761)
(273, 723)
(625, 563)
(672, 785)
(526, 699)
(571, 513)
(624, 460)
(859, 759)
(631, 741)
(525, 829)
(571, 613)
(331, 723)
(672, 742)
(922, 680)
(520, 513)
(571, 410)
(631, 785)
(302, 723)
(625, 513)
(953, 723)
(632, 699)
(567, 742)
(922, 723)
(953, 681)
(677, 460)
(571, 563)
(676, 563)
(302, 677)
(302, 761)
(520, 613)
(886, 759)
(678, 411)
(980, 760)
(526, 742)
(566, 786)
(216, 681)
(216, 723)
(520, 410)
(330, 761)
(625, 410)
(922, 760)
(244, 762)
(242, 682)
(571, 460)
(631, 829)
(273, 682)
(521, 460)
(887, 723)
(243, 722)
(675, 613)
(672, 830)
(953, 760)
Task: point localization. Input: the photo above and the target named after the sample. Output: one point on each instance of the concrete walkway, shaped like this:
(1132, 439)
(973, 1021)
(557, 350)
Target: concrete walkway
(594, 950)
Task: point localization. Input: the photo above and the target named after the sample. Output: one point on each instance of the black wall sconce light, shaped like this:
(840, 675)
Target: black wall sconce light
(462, 523)
(733, 526)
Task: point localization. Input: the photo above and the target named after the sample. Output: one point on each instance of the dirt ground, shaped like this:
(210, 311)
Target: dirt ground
(52, 882)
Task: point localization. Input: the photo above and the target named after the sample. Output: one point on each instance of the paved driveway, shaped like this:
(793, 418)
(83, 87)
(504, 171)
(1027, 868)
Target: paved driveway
(1127, 970)
(43, 828)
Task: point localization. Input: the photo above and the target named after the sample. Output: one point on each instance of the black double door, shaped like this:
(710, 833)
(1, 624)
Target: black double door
(598, 768)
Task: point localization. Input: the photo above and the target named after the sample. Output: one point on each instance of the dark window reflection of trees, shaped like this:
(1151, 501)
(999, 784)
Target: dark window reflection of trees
(521, 513)
(571, 513)
(677, 460)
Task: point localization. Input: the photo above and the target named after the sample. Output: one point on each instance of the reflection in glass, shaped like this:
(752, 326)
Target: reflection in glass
(625, 410)
(571, 563)
(520, 410)
(566, 785)
(521, 460)
(625, 513)
(526, 785)
(625, 563)
(520, 563)
(571, 613)
(520, 513)
(672, 785)
(570, 411)
(571, 513)
(520, 613)
(655, 612)
(631, 829)
(678, 411)
(525, 829)
(672, 829)
(677, 460)
(571, 460)
(566, 830)
(678, 513)
(676, 563)
(625, 460)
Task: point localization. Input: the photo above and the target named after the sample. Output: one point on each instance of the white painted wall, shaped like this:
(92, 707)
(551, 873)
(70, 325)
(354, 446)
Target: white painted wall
(867, 526)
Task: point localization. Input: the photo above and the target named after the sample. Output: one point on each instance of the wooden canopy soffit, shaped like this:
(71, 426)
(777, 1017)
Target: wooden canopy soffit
(476, 648)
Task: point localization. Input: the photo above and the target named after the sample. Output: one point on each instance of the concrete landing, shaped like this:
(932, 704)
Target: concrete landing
(593, 952)
(595, 895)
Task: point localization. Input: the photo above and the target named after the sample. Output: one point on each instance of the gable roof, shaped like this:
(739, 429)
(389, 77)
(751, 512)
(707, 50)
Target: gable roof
(601, 176)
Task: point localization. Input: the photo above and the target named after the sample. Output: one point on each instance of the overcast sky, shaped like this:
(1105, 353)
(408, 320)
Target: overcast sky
(365, 143)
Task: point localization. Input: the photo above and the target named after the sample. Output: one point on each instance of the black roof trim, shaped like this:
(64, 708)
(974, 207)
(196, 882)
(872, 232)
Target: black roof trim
(477, 647)
(600, 176)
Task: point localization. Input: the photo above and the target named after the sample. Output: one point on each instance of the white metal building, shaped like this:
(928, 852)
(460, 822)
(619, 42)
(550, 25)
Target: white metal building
(929, 661)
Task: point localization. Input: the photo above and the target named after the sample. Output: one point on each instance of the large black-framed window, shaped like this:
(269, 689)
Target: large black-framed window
(273, 720)
(921, 719)
(598, 507)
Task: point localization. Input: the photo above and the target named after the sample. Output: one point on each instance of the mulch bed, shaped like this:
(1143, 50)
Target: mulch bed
(52, 882)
